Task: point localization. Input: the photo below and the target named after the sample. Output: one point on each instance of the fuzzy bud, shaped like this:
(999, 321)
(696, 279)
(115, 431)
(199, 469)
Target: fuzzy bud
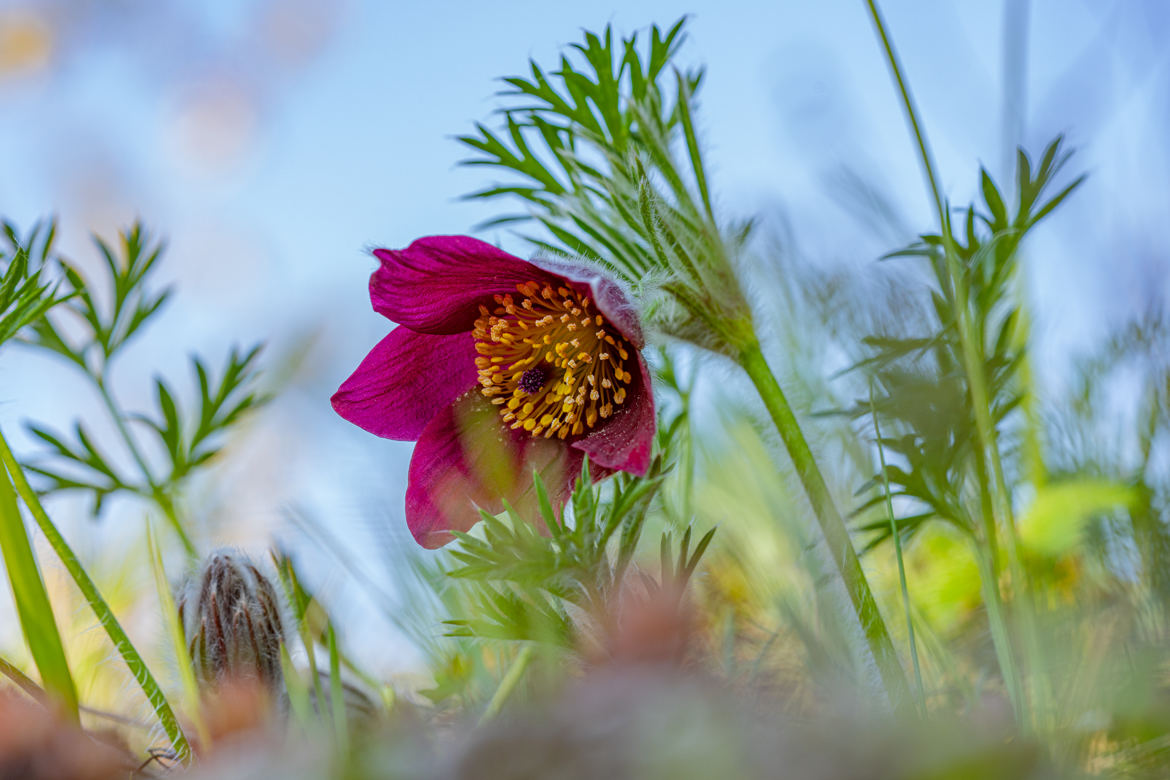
(231, 621)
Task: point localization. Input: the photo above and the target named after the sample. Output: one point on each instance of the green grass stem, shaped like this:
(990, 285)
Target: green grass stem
(511, 679)
(336, 694)
(297, 689)
(174, 629)
(897, 536)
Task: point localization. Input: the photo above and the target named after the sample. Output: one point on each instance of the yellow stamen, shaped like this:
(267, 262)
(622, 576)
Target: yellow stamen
(549, 362)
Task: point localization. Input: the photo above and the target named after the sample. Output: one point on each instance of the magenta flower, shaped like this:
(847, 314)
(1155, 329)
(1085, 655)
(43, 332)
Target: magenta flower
(499, 367)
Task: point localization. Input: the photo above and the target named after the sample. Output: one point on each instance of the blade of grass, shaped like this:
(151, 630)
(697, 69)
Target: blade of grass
(898, 553)
(97, 603)
(297, 688)
(300, 602)
(32, 603)
(22, 681)
(174, 630)
(336, 695)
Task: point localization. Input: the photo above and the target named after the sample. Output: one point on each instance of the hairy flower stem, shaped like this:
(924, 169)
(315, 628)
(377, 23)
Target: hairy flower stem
(97, 603)
(751, 358)
(994, 493)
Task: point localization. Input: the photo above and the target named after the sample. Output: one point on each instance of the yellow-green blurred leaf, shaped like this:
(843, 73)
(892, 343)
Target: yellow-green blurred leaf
(1055, 522)
(945, 576)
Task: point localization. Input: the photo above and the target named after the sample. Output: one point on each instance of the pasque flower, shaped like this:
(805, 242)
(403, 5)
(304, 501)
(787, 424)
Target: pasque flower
(231, 619)
(499, 367)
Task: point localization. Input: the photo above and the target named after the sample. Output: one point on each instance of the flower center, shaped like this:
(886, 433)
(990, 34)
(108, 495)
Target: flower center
(532, 380)
(553, 364)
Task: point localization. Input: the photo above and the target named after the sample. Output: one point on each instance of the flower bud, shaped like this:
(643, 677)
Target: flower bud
(231, 621)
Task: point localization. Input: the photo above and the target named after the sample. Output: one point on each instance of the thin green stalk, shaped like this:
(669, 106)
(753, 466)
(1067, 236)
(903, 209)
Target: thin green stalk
(300, 603)
(1000, 636)
(157, 493)
(174, 628)
(1015, 79)
(511, 679)
(1033, 448)
(911, 111)
(972, 362)
(101, 609)
(832, 525)
(131, 444)
(971, 351)
(32, 603)
(336, 696)
(894, 532)
(950, 670)
(1016, 14)
(168, 509)
(987, 517)
(1037, 474)
(297, 689)
(687, 465)
(976, 382)
(22, 681)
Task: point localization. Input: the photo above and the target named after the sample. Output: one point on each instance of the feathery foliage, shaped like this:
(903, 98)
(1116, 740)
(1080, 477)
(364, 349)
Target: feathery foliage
(188, 438)
(524, 576)
(922, 395)
(606, 159)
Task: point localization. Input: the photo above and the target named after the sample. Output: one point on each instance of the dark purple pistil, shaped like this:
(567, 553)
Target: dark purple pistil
(532, 380)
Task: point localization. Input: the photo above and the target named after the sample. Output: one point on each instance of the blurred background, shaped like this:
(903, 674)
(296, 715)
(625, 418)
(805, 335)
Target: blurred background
(272, 143)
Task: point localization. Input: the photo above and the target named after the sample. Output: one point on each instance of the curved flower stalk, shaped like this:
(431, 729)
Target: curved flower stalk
(499, 367)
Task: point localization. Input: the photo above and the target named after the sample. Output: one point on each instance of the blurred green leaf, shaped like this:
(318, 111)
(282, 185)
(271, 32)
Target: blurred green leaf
(1055, 522)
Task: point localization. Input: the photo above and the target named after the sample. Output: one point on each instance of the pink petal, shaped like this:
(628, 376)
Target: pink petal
(406, 380)
(468, 459)
(609, 296)
(437, 284)
(625, 441)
